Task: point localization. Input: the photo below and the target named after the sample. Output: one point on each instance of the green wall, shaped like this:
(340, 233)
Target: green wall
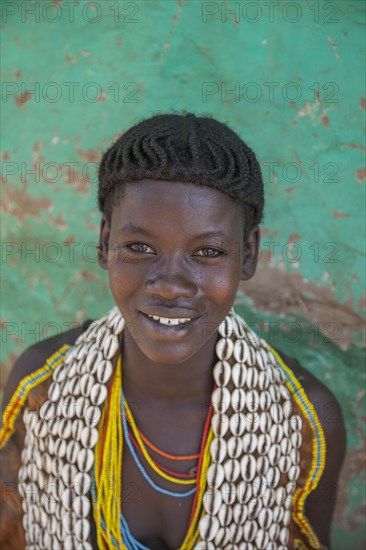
(288, 76)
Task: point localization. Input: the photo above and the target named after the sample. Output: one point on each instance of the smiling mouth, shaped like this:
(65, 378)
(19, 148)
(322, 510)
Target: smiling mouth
(170, 322)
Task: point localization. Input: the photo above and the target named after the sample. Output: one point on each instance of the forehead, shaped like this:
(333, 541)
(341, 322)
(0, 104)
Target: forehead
(174, 205)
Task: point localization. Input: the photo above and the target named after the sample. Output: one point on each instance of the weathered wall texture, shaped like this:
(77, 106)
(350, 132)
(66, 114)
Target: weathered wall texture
(288, 76)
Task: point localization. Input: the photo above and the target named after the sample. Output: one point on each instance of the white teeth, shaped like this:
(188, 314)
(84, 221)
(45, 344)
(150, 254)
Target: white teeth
(167, 321)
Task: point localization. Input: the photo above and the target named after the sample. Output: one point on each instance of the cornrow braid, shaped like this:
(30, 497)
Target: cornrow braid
(187, 148)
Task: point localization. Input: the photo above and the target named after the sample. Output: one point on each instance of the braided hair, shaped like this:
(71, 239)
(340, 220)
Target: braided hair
(186, 148)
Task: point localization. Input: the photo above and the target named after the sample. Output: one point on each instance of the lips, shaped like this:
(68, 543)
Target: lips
(174, 328)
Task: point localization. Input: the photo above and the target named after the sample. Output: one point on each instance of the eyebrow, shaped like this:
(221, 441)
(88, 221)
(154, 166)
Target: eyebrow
(131, 228)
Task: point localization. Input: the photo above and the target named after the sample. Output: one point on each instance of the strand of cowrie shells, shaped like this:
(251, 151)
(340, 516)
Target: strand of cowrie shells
(54, 479)
(255, 446)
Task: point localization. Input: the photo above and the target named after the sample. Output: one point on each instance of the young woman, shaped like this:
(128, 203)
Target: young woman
(167, 423)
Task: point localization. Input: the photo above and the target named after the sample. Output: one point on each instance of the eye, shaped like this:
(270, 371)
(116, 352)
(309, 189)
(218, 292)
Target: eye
(209, 252)
(139, 248)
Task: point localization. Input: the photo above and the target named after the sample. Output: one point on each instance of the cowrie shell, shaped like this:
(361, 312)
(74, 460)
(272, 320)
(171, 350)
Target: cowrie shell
(244, 492)
(68, 474)
(65, 388)
(276, 413)
(48, 411)
(240, 513)
(208, 527)
(224, 348)
(92, 415)
(274, 454)
(265, 422)
(212, 501)
(226, 327)
(104, 371)
(215, 475)
(287, 409)
(221, 539)
(252, 377)
(284, 536)
(56, 466)
(81, 506)
(202, 545)
(220, 399)
(264, 443)
(72, 451)
(258, 486)
(87, 381)
(232, 469)
(93, 359)
(225, 514)
(252, 401)
(85, 460)
(284, 464)
(60, 447)
(54, 391)
(268, 497)
(228, 492)
(40, 429)
(262, 540)
(276, 433)
(75, 386)
(221, 373)
(294, 473)
(274, 393)
(248, 467)
(295, 456)
(77, 428)
(236, 532)
(278, 512)
(285, 394)
(218, 449)
(296, 423)
(68, 524)
(110, 346)
(250, 441)
(219, 424)
(239, 374)
(254, 507)
(250, 529)
(237, 424)
(273, 476)
(251, 353)
(274, 531)
(82, 529)
(286, 446)
(98, 394)
(265, 400)
(241, 351)
(59, 374)
(238, 399)
(234, 447)
(82, 483)
(263, 380)
(262, 465)
(69, 406)
(89, 437)
(64, 428)
(67, 498)
(280, 495)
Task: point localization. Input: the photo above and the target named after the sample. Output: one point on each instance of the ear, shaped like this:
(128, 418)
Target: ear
(104, 234)
(251, 252)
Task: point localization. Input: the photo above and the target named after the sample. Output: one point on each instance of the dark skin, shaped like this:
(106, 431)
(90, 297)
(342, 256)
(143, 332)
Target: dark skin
(168, 268)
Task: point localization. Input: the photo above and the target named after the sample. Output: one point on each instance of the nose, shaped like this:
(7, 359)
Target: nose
(170, 281)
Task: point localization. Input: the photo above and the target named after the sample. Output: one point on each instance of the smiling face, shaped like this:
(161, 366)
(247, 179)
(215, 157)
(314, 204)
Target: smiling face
(175, 251)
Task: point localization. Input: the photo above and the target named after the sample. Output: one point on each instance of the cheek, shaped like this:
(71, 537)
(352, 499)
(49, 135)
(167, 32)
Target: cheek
(123, 279)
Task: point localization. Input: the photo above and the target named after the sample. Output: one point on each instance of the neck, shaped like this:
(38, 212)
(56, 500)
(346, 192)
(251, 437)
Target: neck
(189, 382)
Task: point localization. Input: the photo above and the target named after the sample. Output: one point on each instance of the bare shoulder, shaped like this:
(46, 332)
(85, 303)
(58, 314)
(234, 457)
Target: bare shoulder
(36, 355)
(320, 505)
